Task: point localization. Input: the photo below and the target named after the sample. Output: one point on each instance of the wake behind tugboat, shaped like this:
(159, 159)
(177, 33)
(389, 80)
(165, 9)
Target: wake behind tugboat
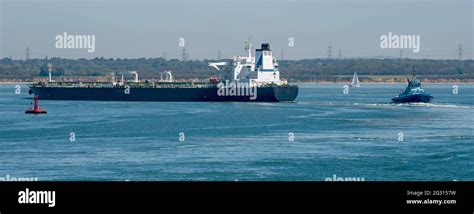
(413, 93)
(255, 79)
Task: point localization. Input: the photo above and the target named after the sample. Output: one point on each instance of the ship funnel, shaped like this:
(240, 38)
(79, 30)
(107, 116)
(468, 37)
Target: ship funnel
(264, 58)
(266, 47)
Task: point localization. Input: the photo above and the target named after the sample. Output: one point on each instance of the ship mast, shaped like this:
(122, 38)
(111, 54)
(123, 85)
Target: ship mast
(248, 47)
(50, 68)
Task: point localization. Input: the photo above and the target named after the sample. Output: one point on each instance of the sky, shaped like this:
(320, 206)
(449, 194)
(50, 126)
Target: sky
(146, 28)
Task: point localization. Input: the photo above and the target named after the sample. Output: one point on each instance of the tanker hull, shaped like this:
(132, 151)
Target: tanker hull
(209, 94)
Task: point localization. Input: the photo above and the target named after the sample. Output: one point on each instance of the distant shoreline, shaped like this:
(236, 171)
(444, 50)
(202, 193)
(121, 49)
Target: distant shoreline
(7, 83)
(315, 82)
(379, 83)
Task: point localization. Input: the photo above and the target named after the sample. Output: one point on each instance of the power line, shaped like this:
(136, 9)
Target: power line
(27, 53)
(164, 55)
(329, 52)
(219, 55)
(282, 56)
(340, 53)
(184, 55)
(460, 52)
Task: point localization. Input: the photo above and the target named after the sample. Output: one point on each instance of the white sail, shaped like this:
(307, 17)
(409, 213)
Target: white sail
(355, 80)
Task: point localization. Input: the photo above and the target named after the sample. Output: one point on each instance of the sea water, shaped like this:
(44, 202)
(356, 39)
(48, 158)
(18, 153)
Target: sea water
(324, 134)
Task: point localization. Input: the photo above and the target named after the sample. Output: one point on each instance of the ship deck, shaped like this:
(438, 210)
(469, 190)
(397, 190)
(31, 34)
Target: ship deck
(130, 84)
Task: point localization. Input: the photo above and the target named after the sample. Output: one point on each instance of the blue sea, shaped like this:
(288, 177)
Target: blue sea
(323, 134)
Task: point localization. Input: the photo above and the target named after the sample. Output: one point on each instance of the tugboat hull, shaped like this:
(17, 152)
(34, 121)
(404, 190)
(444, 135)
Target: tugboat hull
(418, 98)
(413, 93)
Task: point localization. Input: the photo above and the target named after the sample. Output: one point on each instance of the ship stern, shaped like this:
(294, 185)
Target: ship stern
(286, 93)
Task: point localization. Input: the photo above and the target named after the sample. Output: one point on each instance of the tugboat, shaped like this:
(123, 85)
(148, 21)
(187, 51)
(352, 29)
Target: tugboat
(413, 93)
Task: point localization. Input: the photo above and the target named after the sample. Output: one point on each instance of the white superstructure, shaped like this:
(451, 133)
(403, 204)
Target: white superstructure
(255, 70)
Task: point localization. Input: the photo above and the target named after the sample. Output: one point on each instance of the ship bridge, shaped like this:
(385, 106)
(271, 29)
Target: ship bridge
(258, 70)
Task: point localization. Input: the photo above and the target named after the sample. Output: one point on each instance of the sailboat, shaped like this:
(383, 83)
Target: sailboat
(355, 81)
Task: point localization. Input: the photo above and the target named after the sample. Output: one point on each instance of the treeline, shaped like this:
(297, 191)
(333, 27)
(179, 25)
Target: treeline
(292, 70)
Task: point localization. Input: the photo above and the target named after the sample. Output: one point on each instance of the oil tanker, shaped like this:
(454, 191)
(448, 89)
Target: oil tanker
(253, 79)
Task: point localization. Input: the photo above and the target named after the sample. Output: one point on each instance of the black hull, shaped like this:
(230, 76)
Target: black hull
(419, 98)
(264, 94)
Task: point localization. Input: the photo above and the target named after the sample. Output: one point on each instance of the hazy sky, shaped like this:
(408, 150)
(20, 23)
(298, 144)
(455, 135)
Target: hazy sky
(146, 28)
